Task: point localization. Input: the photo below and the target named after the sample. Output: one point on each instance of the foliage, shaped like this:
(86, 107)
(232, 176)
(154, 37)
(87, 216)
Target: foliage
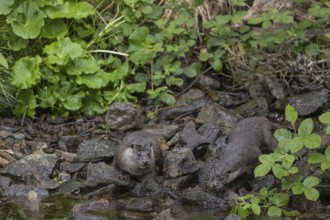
(281, 163)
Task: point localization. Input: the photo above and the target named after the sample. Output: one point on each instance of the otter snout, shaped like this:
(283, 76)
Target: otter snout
(216, 184)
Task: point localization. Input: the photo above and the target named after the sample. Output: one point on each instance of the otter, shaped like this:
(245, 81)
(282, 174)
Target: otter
(243, 149)
(139, 154)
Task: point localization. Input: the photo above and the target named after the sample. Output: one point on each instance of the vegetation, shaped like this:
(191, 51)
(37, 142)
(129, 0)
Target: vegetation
(73, 56)
(282, 163)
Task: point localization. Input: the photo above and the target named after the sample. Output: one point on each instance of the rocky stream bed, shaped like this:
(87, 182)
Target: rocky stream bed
(61, 168)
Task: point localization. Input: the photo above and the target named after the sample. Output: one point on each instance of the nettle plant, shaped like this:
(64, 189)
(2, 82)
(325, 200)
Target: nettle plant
(281, 164)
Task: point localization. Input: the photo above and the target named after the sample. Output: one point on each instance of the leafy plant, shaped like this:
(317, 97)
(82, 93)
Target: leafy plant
(281, 163)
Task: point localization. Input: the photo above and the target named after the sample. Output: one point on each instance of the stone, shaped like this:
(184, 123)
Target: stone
(135, 204)
(96, 150)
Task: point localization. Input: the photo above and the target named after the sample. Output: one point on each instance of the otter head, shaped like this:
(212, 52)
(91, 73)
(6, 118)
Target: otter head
(142, 155)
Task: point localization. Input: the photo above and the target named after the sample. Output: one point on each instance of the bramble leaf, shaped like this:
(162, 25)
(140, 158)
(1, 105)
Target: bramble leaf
(280, 199)
(311, 194)
(262, 170)
(311, 181)
(291, 114)
(325, 118)
(296, 144)
(316, 158)
(274, 212)
(306, 127)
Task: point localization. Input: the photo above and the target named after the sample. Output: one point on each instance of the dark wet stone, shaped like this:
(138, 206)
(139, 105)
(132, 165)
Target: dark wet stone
(217, 115)
(108, 190)
(18, 136)
(124, 116)
(208, 82)
(22, 190)
(198, 197)
(274, 85)
(38, 163)
(191, 139)
(308, 103)
(96, 150)
(180, 182)
(179, 162)
(71, 167)
(172, 112)
(87, 216)
(190, 95)
(257, 106)
(165, 131)
(147, 188)
(5, 182)
(103, 174)
(211, 132)
(48, 150)
(233, 217)
(69, 143)
(90, 205)
(268, 181)
(164, 215)
(135, 204)
(70, 187)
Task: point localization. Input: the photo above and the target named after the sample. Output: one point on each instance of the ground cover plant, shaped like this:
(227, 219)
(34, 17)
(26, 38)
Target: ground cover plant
(80, 56)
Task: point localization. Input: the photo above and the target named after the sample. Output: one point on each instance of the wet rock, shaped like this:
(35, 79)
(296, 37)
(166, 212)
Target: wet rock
(91, 205)
(135, 204)
(190, 95)
(38, 163)
(18, 136)
(5, 182)
(308, 103)
(148, 188)
(198, 197)
(274, 85)
(179, 162)
(191, 139)
(180, 182)
(211, 132)
(70, 187)
(4, 134)
(71, 167)
(96, 150)
(255, 107)
(164, 215)
(208, 82)
(217, 115)
(108, 190)
(123, 116)
(103, 174)
(205, 174)
(233, 217)
(172, 112)
(69, 143)
(87, 216)
(268, 181)
(23, 190)
(165, 131)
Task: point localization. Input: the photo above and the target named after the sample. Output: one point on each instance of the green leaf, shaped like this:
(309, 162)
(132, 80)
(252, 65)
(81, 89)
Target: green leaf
(327, 153)
(327, 131)
(26, 72)
(262, 170)
(54, 28)
(47, 97)
(296, 144)
(5, 6)
(278, 171)
(267, 159)
(291, 114)
(74, 101)
(325, 165)
(193, 70)
(93, 103)
(95, 80)
(325, 118)
(61, 51)
(282, 134)
(82, 65)
(291, 213)
(316, 158)
(167, 98)
(255, 20)
(27, 20)
(293, 170)
(280, 199)
(306, 127)
(75, 10)
(311, 194)
(3, 61)
(312, 141)
(15, 42)
(217, 65)
(172, 80)
(256, 209)
(274, 212)
(26, 103)
(311, 181)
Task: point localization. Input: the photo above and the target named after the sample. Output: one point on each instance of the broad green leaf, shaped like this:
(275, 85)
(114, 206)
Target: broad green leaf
(62, 50)
(93, 103)
(75, 10)
(311, 181)
(139, 35)
(217, 65)
(5, 6)
(280, 199)
(47, 97)
(155, 13)
(15, 42)
(290, 213)
(136, 87)
(82, 65)
(27, 20)
(291, 114)
(263, 192)
(26, 72)
(297, 188)
(325, 118)
(193, 70)
(325, 165)
(255, 209)
(3, 61)
(278, 171)
(327, 131)
(26, 103)
(327, 153)
(312, 141)
(274, 212)
(172, 80)
(282, 134)
(316, 158)
(293, 170)
(167, 98)
(262, 170)
(306, 127)
(54, 28)
(95, 80)
(255, 20)
(311, 194)
(267, 159)
(296, 144)
(74, 102)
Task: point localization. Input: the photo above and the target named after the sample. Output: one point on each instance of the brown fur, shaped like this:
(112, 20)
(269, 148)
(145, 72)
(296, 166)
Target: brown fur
(243, 149)
(138, 154)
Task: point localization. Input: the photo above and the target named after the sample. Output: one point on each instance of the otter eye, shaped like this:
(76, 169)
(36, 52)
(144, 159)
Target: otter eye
(132, 146)
(148, 154)
(228, 172)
